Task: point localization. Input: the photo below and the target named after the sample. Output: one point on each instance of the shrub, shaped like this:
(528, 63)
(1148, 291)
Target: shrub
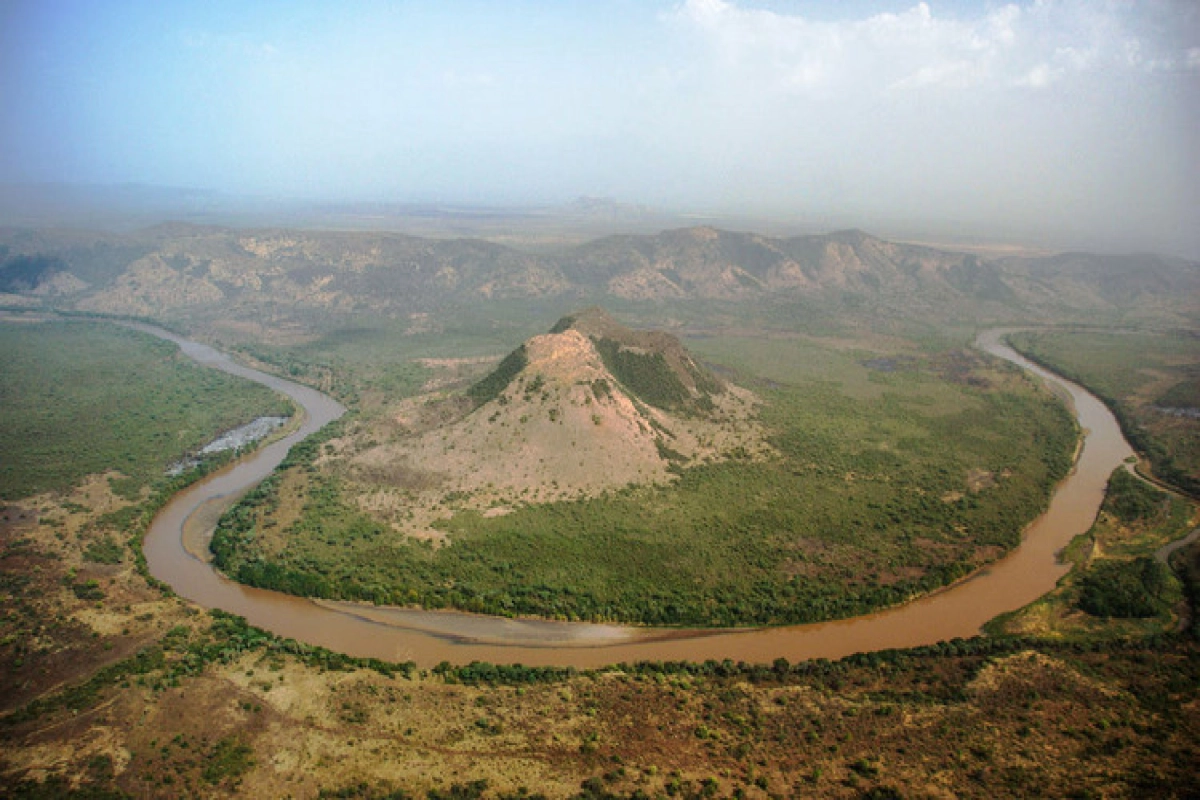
(1128, 589)
(104, 551)
(648, 376)
(230, 759)
(1130, 499)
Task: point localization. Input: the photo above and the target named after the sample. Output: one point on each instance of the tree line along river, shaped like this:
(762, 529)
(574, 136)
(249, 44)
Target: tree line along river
(430, 637)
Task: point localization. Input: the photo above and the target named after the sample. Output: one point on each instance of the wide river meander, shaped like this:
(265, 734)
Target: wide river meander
(429, 637)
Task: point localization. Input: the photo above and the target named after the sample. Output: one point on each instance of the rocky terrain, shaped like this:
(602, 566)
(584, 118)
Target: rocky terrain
(590, 406)
(277, 279)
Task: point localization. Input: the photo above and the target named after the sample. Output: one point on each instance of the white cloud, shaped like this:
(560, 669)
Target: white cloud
(1040, 44)
(958, 74)
(913, 48)
(1037, 78)
(1075, 58)
(1057, 113)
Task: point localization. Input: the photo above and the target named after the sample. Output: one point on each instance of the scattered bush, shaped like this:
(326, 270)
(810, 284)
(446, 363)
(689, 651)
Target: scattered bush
(229, 760)
(88, 590)
(104, 551)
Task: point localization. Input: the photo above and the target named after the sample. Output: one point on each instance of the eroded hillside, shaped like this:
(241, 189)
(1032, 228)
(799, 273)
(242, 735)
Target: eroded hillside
(279, 281)
(587, 407)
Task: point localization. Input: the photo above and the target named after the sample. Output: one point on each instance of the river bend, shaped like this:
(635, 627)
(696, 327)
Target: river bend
(429, 637)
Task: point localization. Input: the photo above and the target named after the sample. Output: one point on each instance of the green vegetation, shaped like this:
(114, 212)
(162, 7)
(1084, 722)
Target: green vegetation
(494, 384)
(1186, 564)
(185, 652)
(865, 506)
(1139, 588)
(86, 694)
(1007, 717)
(1004, 716)
(1149, 380)
(229, 760)
(647, 376)
(367, 362)
(1118, 586)
(87, 590)
(104, 551)
(20, 273)
(900, 466)
(1131, 499)
(78, 398)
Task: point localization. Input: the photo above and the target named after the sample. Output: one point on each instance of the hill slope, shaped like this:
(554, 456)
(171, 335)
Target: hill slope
(587, 407)
(273, 278)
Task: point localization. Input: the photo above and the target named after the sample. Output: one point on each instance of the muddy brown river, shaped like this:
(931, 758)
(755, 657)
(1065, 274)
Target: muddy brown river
(429, 637)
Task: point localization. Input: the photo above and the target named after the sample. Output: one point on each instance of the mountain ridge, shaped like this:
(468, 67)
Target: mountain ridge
(211, 272)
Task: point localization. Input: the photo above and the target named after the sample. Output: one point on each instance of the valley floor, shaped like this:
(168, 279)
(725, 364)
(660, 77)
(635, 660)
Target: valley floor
(139, 694)
(112, 687)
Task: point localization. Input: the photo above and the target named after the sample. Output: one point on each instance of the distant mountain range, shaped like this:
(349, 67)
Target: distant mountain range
(211, 272)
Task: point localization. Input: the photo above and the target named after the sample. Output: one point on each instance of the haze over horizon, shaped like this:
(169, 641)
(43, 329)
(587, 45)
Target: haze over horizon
(1076, 122)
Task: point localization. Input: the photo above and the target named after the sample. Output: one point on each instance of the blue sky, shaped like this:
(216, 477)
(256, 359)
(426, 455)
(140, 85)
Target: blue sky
(1081, 117)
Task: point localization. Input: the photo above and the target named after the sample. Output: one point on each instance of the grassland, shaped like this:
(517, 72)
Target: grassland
(368, 362)
(157, 700)
(121, 690)
(1150, 380)
(864, 506)
(78, 398)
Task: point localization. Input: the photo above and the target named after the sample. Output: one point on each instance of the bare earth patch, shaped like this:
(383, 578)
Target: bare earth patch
(65, 615)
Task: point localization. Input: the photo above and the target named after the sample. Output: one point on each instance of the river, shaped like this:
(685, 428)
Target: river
(429, 637)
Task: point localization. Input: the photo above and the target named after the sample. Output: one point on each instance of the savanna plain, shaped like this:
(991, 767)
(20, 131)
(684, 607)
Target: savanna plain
(693, 429)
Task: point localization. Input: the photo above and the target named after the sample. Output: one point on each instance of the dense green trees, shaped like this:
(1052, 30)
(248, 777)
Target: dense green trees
(1142, 587)
(1130, 499)
(647, 376)
(1119, 368)
(492, 385)
(864, 506)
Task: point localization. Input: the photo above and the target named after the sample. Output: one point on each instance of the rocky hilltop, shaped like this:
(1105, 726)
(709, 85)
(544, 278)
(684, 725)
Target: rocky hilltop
(587, 407)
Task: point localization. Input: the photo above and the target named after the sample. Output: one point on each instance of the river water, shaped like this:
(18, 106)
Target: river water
(429, 637)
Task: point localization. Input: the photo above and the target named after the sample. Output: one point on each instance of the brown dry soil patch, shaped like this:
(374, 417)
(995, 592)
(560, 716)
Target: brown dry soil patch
(65, 615)
(140, 695)
(952, 726)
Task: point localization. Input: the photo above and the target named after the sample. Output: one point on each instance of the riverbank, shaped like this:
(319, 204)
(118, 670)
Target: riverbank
(164, 701)
(429, 637)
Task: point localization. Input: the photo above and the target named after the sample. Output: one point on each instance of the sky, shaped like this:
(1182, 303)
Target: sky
(1064, 118)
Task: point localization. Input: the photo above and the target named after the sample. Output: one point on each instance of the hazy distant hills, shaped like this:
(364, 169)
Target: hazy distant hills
(1088, 280)
(211, 272)
(705, 262)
